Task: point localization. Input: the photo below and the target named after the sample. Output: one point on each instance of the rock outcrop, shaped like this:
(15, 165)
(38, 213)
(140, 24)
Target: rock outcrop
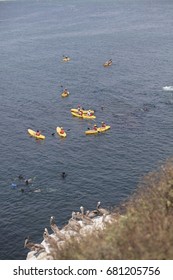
(79, 226)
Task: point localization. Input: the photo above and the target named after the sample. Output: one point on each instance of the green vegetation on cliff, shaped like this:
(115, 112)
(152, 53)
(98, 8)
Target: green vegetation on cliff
(143, 231)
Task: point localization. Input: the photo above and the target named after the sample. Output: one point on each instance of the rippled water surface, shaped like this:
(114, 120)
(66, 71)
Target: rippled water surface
(129, 96)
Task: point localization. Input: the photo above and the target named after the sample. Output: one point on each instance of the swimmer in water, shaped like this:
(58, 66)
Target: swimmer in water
(29, 190)
(14, 185)
(63, 174)
(28, 181)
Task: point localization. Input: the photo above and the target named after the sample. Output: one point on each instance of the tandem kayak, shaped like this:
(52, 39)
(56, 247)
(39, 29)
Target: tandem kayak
(33, 134)
(82, 116)
(84, 111)
(99, 130)
(58, 129)
(65, 94)
(91, 131)
(102, 129)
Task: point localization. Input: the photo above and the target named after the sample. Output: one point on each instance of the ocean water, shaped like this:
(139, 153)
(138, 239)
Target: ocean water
(129, 96)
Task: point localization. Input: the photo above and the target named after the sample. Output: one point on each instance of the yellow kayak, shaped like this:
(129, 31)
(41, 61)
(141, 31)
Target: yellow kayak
(84, 111)
(106, 64)
(33, 134)
(66, 59)
(82, 116)
(65, 94)
(91, 131)
(102, 129)
(58, 129)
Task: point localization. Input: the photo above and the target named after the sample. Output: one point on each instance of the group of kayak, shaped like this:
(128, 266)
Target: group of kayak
(89, 114)
(65, 92)
(37, 134)
(107, 63)
(79, 112)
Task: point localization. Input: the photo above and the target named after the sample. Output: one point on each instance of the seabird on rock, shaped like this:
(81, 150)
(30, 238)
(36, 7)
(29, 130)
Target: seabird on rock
(102, 211)
(33, 246)
(72, 224)
(86, 219)
(55, 228)
(49, 239)
(92, 214)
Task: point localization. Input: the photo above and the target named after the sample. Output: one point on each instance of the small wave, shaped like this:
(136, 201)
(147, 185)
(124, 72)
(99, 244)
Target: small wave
(168, 88)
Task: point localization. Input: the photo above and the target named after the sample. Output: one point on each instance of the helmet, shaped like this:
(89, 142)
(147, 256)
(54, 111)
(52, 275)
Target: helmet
(61, 127)
(102, 122)
(95, 125)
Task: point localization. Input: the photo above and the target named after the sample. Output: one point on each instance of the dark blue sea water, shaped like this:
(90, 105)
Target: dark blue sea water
(34, 36)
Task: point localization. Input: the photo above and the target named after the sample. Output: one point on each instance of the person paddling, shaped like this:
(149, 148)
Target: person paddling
(103, 124)
(38, 133)
(95, 127)
(62, 130)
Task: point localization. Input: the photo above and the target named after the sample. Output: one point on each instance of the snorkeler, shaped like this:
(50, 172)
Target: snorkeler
(63, 174)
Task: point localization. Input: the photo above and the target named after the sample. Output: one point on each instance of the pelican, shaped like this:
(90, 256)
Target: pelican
(76, 216)
(86, 219)
(102, 210)
(52, 244)
(55, 228)
(92, 214)
(73, 224)
(49, 239)
(33, 246)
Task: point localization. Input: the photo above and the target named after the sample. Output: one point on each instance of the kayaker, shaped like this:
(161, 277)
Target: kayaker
(66, 91)
(103, 124)
(78, 108)
(28, 181)
(65, 57)
(89, 113)
(63, 174)
(38, 133)
(95, 127)
(80, 112)
(62, 130)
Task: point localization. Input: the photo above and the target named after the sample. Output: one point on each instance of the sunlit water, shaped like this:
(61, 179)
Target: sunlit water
(129, 96)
